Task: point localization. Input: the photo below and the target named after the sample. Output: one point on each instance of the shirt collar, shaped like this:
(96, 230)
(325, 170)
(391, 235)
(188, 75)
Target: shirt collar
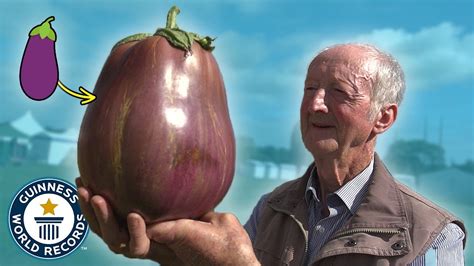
(352, 193)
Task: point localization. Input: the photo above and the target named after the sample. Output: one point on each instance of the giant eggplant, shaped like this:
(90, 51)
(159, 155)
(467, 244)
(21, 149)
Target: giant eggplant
(39, 72)
(158, 140)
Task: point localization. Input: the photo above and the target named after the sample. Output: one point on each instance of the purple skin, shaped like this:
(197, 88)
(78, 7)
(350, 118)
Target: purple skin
(39, 68)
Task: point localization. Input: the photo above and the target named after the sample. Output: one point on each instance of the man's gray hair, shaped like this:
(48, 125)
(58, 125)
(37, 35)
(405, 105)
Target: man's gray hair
(388, 79)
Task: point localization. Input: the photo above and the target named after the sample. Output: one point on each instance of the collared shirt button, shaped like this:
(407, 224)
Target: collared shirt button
(319, 228)
(351, 243)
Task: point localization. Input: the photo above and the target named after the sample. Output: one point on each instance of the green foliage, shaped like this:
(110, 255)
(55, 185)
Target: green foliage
(132, 38)
(179, 38)
(296, 154)
(415, 157)
(44, 30)
(299, 155)
(273, 154)
(467, 166)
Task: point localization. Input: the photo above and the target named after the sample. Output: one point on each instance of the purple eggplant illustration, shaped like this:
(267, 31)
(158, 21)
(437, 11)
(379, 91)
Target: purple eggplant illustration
(39, 72)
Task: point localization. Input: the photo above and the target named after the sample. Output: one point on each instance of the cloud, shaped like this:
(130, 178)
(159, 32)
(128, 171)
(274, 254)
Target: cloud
(263, 72)
(257, 75)
(265, 76)
(263, 91)
(257, 65)
(242, 60)
(431, 57)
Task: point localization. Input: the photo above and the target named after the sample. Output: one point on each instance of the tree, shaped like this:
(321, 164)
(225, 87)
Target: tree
(245, 148)
(467, 166)
(415, 157)
(298, 153)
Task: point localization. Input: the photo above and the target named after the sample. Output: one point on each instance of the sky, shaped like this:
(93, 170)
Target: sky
(263, 49)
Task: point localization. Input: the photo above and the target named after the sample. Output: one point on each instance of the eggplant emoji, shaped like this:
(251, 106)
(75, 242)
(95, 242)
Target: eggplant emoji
(39, 72)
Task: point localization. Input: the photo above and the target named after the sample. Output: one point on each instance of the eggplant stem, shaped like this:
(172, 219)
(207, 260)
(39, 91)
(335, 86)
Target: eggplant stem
(171, 18)
(176, 37)
(48, 20)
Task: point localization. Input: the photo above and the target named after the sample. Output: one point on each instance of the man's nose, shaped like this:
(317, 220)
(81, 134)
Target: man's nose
(318, 103)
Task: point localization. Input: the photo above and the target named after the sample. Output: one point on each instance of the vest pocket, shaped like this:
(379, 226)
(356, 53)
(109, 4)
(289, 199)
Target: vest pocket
(266, 258)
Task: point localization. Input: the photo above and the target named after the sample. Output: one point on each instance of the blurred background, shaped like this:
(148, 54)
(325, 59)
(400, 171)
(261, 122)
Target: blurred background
(263, 49)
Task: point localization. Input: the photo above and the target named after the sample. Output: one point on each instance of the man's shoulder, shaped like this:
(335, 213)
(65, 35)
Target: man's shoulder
(295, 187)
(419, 202)
(415, 205)
(423, 211)
(291, 185)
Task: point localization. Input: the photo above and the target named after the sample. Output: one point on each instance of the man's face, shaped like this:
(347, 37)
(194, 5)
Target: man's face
(336, 103)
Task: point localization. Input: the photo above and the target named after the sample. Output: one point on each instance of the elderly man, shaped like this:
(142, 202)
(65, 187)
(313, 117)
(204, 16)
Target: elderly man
(345, 210)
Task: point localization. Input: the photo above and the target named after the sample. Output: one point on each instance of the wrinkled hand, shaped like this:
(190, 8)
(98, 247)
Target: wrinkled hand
(132, 243)
(216, 239)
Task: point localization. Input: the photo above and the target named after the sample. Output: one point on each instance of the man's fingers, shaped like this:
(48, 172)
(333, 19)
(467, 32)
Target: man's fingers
(178, 231)
(139, 245)
(219, 218)
(79, 182)
(209, 217)
(112, 234)
(85, 196)
(162, 233)
(86, 207)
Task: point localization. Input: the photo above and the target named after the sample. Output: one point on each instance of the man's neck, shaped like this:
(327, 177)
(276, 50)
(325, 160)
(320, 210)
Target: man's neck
(334, 172)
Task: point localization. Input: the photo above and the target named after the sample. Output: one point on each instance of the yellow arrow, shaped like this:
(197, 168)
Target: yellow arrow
(86, 95)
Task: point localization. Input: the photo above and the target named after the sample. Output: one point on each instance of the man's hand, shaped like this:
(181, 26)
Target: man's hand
(132, 243)
(215, 239)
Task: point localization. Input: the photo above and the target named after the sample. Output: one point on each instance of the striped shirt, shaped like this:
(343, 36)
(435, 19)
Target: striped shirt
(342, 204)
(447, 249)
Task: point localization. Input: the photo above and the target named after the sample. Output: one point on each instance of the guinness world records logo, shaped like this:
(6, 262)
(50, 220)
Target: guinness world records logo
(45, 219)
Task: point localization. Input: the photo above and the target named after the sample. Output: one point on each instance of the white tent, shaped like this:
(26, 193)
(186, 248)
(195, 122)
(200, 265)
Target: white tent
(60, 143)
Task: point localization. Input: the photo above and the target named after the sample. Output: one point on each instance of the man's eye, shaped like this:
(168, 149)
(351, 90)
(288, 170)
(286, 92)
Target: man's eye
(309, 88)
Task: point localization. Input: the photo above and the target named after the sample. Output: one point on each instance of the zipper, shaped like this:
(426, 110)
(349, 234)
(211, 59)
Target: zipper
(369, 230)
(300, 225)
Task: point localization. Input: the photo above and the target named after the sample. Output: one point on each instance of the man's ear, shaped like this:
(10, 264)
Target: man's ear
(385, 119)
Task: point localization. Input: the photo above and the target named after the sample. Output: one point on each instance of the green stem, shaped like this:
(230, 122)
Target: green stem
(176, 37)
(44, 30)
(171, 18)
(48, 20)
